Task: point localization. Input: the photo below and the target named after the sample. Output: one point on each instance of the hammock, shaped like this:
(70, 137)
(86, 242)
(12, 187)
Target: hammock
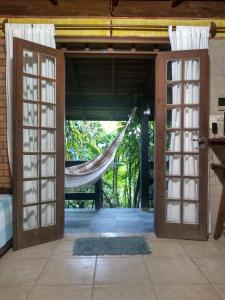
(91, 171)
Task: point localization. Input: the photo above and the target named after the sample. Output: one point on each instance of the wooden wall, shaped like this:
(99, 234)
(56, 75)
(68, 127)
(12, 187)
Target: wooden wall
(5, 177)
(139, 8)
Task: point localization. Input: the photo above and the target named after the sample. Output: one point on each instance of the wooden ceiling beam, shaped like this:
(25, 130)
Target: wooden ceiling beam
(55, 2)
(88, 8)
(115, 3)
(175, 3)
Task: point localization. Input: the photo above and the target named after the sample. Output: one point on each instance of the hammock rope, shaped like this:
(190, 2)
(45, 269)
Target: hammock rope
(91, 171)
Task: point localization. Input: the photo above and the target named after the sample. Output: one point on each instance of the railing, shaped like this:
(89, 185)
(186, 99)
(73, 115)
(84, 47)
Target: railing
(96, 196)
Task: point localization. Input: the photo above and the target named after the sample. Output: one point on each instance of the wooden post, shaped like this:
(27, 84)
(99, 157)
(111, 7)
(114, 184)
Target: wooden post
(221, 216)
(98, 194)
(137, 189)
(144, 164)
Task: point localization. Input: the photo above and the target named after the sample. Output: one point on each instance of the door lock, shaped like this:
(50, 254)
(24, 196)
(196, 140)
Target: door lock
(200, 140)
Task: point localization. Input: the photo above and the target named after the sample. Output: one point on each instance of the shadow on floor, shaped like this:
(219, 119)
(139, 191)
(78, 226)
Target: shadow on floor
(108, 220)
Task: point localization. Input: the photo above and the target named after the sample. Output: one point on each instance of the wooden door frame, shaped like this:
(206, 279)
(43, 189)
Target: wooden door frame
(151, 55)
(163, 229)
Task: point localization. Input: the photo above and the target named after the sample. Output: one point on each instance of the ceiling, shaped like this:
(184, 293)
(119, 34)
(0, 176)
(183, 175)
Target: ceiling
(107, 88)
(124, 8)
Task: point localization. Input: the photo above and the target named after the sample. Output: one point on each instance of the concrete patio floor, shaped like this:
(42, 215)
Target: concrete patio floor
(109, 220)
(175, 270)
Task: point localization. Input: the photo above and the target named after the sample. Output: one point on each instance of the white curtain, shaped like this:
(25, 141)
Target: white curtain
(189, 37)
(185, 38)
(43, 34)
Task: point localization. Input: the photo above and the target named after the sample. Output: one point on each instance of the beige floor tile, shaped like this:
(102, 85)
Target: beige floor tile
(35, 252)
(165, 248)
(14, 293)
(174, 271)
(73, 236)
(222, 241)
(64, 248)
(66, 292)
(220, 288)
(213, 268)
(137, 292)
(131, 270)
(204, 249)
(186, 292)
(68, 271)
(148, 235)
(21, 271)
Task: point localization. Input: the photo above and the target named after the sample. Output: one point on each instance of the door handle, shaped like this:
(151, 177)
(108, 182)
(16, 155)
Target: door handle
(200, 140)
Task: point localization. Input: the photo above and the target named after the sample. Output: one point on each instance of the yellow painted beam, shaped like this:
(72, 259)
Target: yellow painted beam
(114, 27)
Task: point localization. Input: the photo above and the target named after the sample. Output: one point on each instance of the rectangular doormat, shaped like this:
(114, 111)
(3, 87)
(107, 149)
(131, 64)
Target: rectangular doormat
(131, 245)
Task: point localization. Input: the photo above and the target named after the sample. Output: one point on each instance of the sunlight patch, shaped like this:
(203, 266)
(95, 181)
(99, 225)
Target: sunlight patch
(109, 126)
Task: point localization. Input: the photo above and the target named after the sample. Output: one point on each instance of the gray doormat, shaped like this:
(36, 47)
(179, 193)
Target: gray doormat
(131, 245)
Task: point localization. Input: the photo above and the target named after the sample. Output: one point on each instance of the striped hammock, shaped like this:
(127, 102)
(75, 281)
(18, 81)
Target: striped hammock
(91, 171)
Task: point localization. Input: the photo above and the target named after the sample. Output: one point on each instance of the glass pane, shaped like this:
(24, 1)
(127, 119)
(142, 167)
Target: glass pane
(30, 217)
(173, 118)
(174, 70)
(30, 88)
(173, 141)
(174, 94)
(30, 62)
(47, 165)
(47, 214)
(48, 190)
(48, 140)
(47, 66)
(30, 140)
(30, 191)
(191, 189)
(190, 214)
(191, 93)
(191, 141)
(191, 116)
(30, 114)
(48, 91)
(173, 188)
(173, 212)
(173, 163)
(191, 69)
(48, 116)
(191, 165)
(30, 166)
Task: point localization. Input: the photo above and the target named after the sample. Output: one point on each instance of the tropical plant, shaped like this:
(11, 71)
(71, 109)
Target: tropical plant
(85, 140)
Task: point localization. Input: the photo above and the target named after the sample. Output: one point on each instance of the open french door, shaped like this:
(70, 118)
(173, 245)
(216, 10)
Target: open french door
(38, 143)
(181, 157)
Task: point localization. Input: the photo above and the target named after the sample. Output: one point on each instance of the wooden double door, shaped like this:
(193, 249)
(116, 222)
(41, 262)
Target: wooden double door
(38, 143)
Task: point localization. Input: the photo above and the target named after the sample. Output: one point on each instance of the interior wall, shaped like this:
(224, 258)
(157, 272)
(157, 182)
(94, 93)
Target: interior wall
(217, 89)
(5, 176)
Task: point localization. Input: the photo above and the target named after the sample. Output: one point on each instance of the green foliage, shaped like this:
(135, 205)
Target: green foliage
(85, 140)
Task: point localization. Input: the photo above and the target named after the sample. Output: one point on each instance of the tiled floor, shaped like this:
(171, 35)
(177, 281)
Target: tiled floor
(175, 270)
(109, 220)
